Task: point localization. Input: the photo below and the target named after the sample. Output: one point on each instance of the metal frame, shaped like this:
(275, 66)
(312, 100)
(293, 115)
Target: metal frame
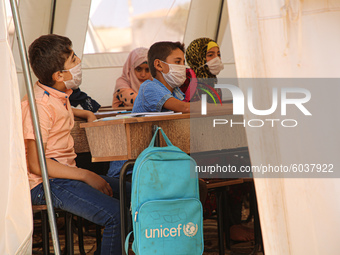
(53, 6)
(35, 120)
(219, 20)
(123, 202)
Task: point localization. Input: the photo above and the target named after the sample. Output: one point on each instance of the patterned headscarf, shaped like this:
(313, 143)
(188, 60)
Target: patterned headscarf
(195, 56)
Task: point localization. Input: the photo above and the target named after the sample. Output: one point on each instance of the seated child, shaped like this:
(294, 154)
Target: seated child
(161, 93)
(135, 72)
(166, 64)
(73, 189)
(204, 58)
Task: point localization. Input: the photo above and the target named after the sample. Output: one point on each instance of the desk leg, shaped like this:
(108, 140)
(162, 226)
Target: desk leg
(45, 234)
(257, 227)
(69, 233)
(123, 204)
(226, 218)
(220, 224)
(157, 140)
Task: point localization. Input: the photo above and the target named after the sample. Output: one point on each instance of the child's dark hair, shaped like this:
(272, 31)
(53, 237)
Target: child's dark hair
(161, 50)
(47, 55)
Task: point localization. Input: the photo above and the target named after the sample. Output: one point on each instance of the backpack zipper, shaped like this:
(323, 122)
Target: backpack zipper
(163, 200)
(136, 213)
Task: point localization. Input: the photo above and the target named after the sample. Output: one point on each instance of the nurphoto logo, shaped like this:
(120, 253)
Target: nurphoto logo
(239, 105)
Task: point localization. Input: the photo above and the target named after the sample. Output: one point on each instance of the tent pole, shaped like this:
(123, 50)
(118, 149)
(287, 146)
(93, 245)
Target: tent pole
(219, 20)
(53, 4)
(33, 108)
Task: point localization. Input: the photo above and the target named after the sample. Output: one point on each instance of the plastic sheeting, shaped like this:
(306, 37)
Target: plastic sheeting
(16, 210)
(293, 39)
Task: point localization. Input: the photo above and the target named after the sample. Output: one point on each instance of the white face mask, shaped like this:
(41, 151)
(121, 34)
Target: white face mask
(176, 75)
(215, 66)
(76, 73)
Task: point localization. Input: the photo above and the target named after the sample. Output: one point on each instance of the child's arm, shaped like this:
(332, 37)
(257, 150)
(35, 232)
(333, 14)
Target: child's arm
(84, 114)
(57, 170)
(176, 105)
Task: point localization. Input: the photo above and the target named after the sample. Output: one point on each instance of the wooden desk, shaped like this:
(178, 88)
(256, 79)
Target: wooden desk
(79, 136)
(109, 108)
(124, 139)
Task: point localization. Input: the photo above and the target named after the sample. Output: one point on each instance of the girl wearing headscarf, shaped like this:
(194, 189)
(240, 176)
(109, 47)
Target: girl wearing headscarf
(135, 72)
(203, 57)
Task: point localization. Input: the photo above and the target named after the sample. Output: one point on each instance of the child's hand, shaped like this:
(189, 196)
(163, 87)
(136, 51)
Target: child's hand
(97, 182)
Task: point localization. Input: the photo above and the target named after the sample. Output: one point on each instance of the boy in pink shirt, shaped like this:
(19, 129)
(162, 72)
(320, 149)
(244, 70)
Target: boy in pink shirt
(73, 189)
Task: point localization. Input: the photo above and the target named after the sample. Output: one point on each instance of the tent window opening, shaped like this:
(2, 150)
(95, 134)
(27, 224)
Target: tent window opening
(10, 23)
(123, 25)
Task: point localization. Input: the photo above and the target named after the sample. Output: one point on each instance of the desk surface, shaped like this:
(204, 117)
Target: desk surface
(222, 112)
(109, 108)
(124, 139)
(135, 120)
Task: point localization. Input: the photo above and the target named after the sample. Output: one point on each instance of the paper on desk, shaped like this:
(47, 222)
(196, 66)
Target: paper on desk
(139, 114)
(113, 118)
(110, 112)
(150, 114)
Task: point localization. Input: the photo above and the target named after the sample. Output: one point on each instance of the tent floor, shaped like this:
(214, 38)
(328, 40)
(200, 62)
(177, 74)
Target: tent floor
(210, 239)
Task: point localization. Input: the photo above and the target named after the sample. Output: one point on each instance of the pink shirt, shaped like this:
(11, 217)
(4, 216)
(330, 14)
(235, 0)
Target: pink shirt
(56, 122)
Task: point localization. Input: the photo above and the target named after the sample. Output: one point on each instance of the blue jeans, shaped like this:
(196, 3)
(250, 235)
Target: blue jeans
(116, 166)
(81, 199)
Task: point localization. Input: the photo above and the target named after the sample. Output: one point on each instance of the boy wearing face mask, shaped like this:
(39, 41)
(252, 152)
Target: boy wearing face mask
(73, 189)
(166, 63)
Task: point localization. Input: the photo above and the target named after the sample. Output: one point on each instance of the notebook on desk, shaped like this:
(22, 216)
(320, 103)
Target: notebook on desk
(149, 114)
(140, 114)
(111, 112)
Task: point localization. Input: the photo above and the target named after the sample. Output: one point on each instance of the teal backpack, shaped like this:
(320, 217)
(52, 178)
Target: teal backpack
(165, 206)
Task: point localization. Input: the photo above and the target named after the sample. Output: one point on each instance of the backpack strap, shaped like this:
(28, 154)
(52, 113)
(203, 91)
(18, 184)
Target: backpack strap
(152, 143)
(127, 243)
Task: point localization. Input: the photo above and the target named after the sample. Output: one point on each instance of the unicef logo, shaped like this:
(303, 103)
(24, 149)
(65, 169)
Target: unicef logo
(190, 229)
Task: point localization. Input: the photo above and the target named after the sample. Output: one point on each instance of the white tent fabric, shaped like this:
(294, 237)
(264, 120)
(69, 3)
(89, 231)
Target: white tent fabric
(100, 71)
(16, 210)
(278, 38)
(70, 20)
(293, 38)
